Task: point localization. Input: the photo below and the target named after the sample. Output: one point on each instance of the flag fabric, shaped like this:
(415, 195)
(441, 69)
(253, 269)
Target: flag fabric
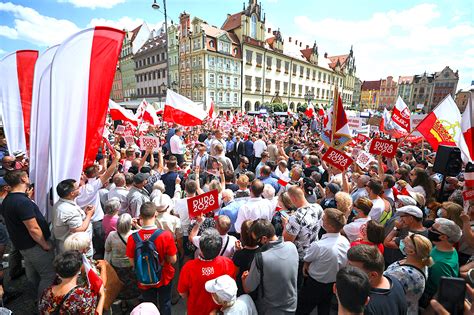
(212, 114)
(336, 133)
(309, 112)
(443, 126)
(467, 126)
(149, 115)
(182, 111)
(95, 282)
(82, 74)
(401, 115)
(16, 88)
(283, 180)
(40, 130)
(389, 127)
(117, 112)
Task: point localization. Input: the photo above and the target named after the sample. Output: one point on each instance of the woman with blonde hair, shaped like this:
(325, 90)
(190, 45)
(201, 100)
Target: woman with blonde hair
(412, 271)
(452, 211)
(344, 203)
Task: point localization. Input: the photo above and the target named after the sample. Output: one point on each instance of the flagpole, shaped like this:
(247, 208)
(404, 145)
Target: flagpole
(335, 105)
(423, 148)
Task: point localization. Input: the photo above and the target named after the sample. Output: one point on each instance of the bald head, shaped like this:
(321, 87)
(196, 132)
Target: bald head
(119, 180)
(362, 181)
(296, 195)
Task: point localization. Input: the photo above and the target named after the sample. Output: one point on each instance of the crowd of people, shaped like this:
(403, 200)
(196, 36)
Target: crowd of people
(291, 233)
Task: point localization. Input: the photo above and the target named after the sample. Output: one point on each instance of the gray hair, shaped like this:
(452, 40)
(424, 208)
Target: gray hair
(80, 241)
(124, 223)
(450, 229)
(268, 192)
(210, 243)
(229, 193)
(112, 205)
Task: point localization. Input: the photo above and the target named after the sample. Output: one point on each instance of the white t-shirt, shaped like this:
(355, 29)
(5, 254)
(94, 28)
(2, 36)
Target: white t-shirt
(89, 195)
(259, 146)
(176, 145)
(181, 209)
(244, 305)
(377, 209)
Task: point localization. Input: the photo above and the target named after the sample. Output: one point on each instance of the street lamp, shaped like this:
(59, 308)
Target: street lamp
(156, 6)
(163, 92)
(308, 96)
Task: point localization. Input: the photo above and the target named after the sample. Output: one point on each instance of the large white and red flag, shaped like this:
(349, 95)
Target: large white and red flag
(443, 127)
(40, 129)
(150, 116)
(16, 88)
(117, 112)
(182, 111)
(212, 113)
(388, 126)
(82, 73)
(336, 131)
(309, 112)
(401, 115)
(95, 282)
(467, 126)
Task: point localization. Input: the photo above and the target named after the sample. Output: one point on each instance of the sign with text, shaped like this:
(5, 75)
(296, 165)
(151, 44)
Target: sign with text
(120, 130)
(468, 195)
(203, 203)
(354, 122)
(383, 147)
(360, 137)
(129, 140)
(337, 159)
(364, 159)
(147, 142)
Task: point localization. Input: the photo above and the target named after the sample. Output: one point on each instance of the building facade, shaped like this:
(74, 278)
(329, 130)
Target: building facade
(357, 91)
(405, 90)
(388, 93)
(210, 64)
(462, 98)
(422, 92)
(117, 92)
(445, 83)
(370, 95)
(173, 55)
(346, 64)
(151, 69)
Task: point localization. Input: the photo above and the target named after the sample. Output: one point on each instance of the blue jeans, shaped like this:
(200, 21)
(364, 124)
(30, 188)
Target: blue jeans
(162, 294)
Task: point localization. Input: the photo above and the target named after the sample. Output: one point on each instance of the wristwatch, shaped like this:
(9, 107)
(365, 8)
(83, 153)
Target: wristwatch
(395, 228)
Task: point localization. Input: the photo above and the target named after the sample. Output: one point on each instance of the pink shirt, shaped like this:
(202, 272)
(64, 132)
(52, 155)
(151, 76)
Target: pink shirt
(109, 223)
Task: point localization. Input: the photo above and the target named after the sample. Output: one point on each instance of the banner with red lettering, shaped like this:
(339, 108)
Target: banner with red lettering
(383, 147)
(203, 203)
(468, 195)
(337, 159)
(147, 142)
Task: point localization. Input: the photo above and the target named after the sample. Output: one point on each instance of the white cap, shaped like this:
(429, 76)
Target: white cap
(224, 287)
(411, 210)
(406, 200)
(145, 308)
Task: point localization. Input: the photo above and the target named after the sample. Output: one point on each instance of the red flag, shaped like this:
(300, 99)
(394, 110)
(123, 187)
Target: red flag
(149, 115)
(182, 111)
(309, 112)
(467, 126)
(283, 180)
(401, 114)
(95, 282)
(117, 112)
(212, 115)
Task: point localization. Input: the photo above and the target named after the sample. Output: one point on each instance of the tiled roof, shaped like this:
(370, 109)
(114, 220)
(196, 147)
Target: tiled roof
(405, 80)
(371, 85)
(215, 32)
(135, 32)
(232, 21)
(342, 59)
(307, 53)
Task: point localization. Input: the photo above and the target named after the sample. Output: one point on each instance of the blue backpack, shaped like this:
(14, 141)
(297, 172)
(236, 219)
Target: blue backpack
(147, 264)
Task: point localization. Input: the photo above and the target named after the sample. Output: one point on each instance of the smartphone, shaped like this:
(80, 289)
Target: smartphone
(451, 294)
(284, 214)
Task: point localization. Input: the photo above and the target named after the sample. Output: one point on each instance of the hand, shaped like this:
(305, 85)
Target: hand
(468, 308)
(238, 245)
(305, 269)
(178, 180)
(47, 247)
(90, 209)
(197, 169)
(245, 274)
(398, 224)
(200, 219)
(465, 218)
(117, 156)
(402, 183)
(135, 223)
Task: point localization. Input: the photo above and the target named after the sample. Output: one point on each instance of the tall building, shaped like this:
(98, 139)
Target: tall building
(151, 69)
(388, 92)
(117, 88)
(210, 64)
(405, 90)
(462, 97)
(173, 55)
(422, 91)
(275, 70)
(445, 83)
(127, 65)
(346, 65)
(370, 95)
(357, 91)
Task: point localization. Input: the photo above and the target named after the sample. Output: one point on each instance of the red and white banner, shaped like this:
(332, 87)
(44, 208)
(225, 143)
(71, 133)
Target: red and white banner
(212, 112)
(283, 180)
(467, 126)
(364, 159)
(337, 159)
(383, 147)
(203, 203)
(16, 88)
(120, 130)
(401, 114)
(468, 195)
(182, 110)
(82, 74)
(95, 282)
(117, 112)
(147, 142)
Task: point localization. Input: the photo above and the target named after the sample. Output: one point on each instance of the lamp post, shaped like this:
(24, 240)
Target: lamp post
(308, 96)
(163, 93)
(156, 6)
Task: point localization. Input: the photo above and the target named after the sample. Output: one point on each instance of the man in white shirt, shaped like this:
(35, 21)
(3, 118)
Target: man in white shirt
(89, 195)
(217, 140)
(181, 210)
(322, 261)
(259, 146)
(375, 189)
(256, 207)
(69, 218)
(177, 146)
(362, 207)
(120, 191)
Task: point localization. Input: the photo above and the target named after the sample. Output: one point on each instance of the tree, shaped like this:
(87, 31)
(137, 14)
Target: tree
(301, 108)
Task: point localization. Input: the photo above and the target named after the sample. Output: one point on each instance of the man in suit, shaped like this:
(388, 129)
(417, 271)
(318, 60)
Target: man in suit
(238, 150)
(249, 152)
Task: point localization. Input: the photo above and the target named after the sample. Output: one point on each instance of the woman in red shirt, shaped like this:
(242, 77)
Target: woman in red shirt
(372, 234)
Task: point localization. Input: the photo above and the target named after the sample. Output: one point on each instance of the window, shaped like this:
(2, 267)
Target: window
(197, 43)
(301, 71)
(278, 65)
(227, 81)
(248, 56)
(211, 43)
(146, 91)
(221, 79)
(219, 96)
(194, 61)
(248, 82)
(285, 87)
(236, 98)
(259, 60)
(308, 72)
(148, 61)
(269, 62)
(154, 75)
(212, 95)
(300, 90)
(258, 84)
(293, 88)
(268, 85)
(324, 78)
(294, 69)
(236, 82)
(253, 26)
(277, 86)
(211, 61)
(314, 74)
(163, 56)
(154, 90)
(317, 93)
(136, 64)
(227, 65)
(152, 59)
(319, 76)
(287, 67)
(227, 97)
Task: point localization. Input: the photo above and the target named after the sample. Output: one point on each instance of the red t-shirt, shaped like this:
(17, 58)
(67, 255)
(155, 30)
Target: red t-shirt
(164, 245)
(194, 275)
(362, 242)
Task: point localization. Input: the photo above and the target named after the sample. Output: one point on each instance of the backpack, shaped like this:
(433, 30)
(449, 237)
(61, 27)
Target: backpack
(147, 264)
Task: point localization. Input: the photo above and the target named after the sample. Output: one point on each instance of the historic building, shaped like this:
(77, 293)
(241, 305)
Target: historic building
(173, 55)
(117, 91)
(422, 91)
(357, 91)
(151, 69)
(388, 92)
(405, 90)
(346, 65)
(445, 82)
(210, 64)
(370, 95)
(462, 97)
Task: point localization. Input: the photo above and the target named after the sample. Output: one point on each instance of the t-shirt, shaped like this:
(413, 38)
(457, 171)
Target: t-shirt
(17, 207)
(165, 246)
(387, 301)
(378, 208)
(244, 305)
(445, 264)
(242, 260)
(193, 277)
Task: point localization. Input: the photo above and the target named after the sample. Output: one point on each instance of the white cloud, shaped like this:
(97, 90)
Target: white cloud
(124, 22)
(92, 4)
(33, 27)
(404, 42)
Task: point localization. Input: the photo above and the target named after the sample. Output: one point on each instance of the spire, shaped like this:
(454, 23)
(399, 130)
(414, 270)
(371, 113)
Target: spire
(315, 48)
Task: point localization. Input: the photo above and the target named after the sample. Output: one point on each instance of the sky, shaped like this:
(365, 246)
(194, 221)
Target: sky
(389, 38)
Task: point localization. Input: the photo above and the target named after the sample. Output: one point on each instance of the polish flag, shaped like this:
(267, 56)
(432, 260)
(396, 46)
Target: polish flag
(310, 111)
(95, 282)
(443, 127)
(467, 126)
(283, 180)
(469, 179)
(40, 130)
(117, 112)
(16, 88)
(182, 111)
(82, 73)
(149, 115)
(212, 113)
(388, 126)
(141, 110)
(401, 114)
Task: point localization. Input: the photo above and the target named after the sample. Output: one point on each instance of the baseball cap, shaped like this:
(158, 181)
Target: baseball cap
(411, 210)
(18, 153)
(224, 287)
(145, 308)
(140, 178)
(406, 200)
(334, 188)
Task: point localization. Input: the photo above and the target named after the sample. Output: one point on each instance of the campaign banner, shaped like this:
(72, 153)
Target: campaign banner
(360, 137)
(364, 159)
(337, 159)
(203, 203)
(468, 195)
(128, 133)
(147, 142)
(120, 130)
(354, 122)
(383, 147)
(129, 140)
(282, 127)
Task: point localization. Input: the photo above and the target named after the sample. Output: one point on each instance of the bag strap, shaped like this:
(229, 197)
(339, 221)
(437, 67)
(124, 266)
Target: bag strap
(225, 247)
(65, 297)
(155, 235)
(259, 265)
(136, 237)
(121, 238)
